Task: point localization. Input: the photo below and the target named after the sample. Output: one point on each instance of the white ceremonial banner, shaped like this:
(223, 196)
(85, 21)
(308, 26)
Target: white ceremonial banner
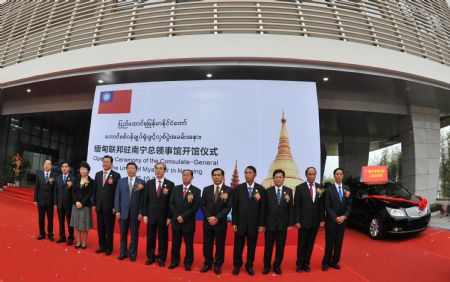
(204, 124)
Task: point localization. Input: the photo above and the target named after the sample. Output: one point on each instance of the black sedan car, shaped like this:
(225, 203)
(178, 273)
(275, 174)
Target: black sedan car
(388, 209)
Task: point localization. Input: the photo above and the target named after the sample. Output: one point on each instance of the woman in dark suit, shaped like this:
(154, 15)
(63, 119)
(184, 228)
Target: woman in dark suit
(81, 219)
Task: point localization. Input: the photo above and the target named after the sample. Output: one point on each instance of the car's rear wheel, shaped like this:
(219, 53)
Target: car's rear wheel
(376, 228)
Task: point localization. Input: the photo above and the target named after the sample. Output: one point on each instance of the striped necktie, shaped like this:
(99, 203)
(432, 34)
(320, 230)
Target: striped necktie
(278, 195)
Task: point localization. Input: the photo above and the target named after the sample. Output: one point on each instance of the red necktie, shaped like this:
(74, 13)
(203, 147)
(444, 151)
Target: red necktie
(311, 190)
(158, 192)
(104, 177)
(184, 191)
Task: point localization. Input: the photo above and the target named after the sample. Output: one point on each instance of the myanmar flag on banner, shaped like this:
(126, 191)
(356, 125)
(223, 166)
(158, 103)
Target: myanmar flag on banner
(115, 102)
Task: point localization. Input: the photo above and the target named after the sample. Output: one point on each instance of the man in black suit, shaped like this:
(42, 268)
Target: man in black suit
(157, 214)
(338, 207)
(43, 199)
(216, 204)
(309, 213)
(279, 219)
(63, 201)
(105, 186)
(248, 219)
(128, 206)
(184, 203)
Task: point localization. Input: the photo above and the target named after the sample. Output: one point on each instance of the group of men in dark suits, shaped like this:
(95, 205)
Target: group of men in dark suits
(159, 202)
(52, 192)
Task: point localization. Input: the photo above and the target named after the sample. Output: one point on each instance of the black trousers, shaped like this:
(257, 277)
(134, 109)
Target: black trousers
(177, 237)
(334, 238)
(239, 243)
(306, 239)
(42, 211)
(64, 216)
(133, 226)
(105, 229)
(211, 235)
(160, 229)
(279, 238)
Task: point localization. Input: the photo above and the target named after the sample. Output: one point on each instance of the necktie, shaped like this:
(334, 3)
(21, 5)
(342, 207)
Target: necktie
(216, 194)
(184, 191)
(278, 195)
(340, 193)
(46, 177)
(65, 179)
(311, 191)
(250, 192)
(158, 191)
(104, 177)
(130, 186)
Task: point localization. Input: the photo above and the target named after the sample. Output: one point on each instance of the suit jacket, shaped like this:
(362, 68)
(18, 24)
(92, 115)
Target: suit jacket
(334, 207)
(248, 213)
(82, 194)
(103, 195)
(179, 206)
(157, 209)
(43, 190)
(308, 213)
(279, 216)
(126, 206)
(63, 194)
(219, 209)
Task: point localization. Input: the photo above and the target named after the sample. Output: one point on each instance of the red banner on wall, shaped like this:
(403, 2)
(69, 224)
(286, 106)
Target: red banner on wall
(374, 174)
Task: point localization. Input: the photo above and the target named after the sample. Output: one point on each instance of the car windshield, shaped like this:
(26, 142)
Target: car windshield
(390, 189)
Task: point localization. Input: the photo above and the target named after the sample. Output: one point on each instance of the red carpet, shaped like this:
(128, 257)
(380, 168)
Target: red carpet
(425, 257)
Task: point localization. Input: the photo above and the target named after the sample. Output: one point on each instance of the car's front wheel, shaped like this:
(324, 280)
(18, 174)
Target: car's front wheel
(376, 228)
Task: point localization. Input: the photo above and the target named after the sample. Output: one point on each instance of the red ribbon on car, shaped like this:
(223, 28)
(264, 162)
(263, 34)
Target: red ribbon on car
(422, 203)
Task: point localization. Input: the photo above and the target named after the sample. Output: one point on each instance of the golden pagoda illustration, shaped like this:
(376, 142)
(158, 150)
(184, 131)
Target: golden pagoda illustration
(284, 161)
(235, 178)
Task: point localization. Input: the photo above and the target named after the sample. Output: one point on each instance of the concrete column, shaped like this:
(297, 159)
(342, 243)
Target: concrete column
(3, 135)
(353, 154)
(323, 160)
(3, 159)
(420, 138)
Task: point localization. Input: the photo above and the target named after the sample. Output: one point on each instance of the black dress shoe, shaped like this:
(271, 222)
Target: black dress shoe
(100, 250)
(161, 263)
(236, 270)
(250, 271)
(122, 257)
(61, 240)
(132, 259)
(172, 266)
(83, 247)
(150, 261)
(69, 242)
(307, 269)
(108, 252)
(40, 237)
(187, 267)
(217, 270)
(266, 270)
(205, 268)
(299, 269)
(335, 266)
(325, 267)
(77, 246)
(51, 238)
(277, 270)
